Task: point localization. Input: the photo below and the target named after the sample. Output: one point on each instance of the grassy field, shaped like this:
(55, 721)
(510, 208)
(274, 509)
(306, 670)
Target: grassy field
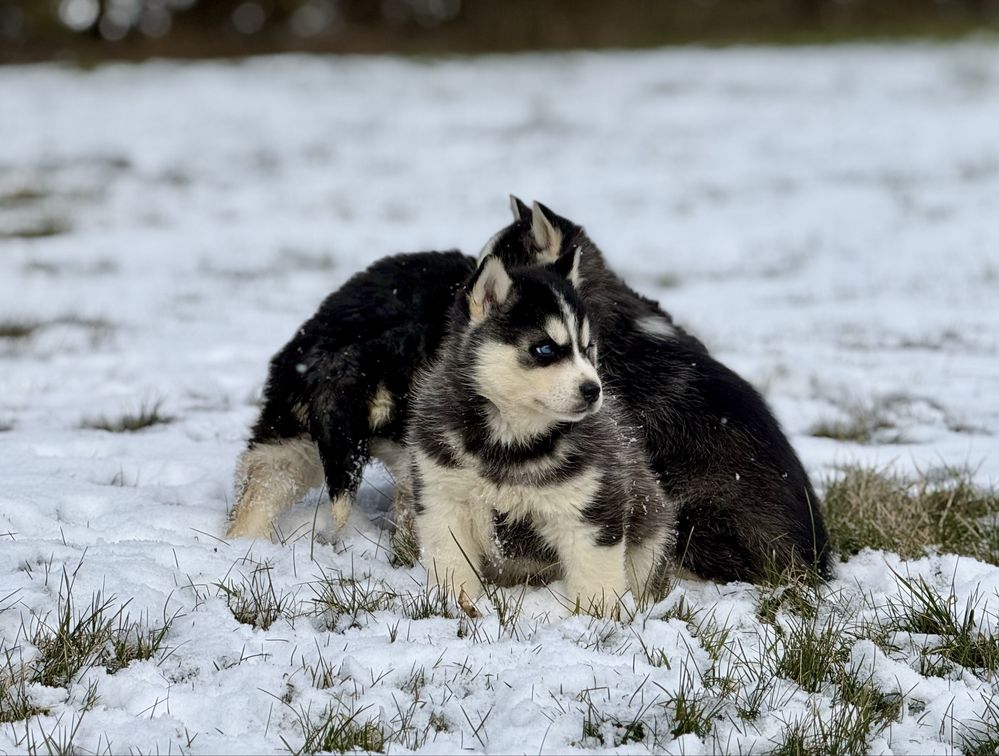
(823, 218)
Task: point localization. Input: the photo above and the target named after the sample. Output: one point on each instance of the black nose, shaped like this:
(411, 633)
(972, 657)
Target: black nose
(590, 391)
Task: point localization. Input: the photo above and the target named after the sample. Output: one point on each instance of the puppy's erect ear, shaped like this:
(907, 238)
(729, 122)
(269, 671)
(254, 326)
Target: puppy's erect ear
(518, 208)
(490, 289)
(546, 235)
(568, 265)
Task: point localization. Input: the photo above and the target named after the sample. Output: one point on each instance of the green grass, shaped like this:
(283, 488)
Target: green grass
(22, 196)
(867, 507)
(809, 652)
(343, 600)
(18, 330)
(981, 737)
(100, 634)
(76, 640)
(253, 600)
(76, 637)
(602, 728)
(41, 228)
(955, 632)
(15, 702)
(427, 602)
(148, 415)
(862, 423)
(338, 730)
(735, 671)
(692, 710)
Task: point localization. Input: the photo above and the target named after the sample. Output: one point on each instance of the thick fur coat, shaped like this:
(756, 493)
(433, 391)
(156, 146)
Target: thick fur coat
(521, 470)
(340, 391)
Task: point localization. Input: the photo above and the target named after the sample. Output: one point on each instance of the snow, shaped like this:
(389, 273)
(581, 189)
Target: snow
(825, 219)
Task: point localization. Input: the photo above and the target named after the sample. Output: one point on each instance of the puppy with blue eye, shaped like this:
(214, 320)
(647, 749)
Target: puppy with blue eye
(523, 468)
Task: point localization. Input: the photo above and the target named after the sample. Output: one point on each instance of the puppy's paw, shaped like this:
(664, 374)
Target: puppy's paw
(244, 525)
(603, 604)
(467, 605)
(340, 507)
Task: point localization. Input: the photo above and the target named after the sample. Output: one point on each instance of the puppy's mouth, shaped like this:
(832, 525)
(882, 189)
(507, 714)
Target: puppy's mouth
(573, 416)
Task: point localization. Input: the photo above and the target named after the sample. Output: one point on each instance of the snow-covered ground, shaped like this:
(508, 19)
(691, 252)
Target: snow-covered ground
(827, 220)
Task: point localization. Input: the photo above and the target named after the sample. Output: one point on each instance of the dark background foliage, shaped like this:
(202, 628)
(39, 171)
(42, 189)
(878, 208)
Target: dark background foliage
(85, 30)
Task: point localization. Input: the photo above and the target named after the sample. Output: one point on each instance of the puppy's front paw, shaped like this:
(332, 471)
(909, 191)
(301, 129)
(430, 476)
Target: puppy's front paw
(467, 605)
(605, 604)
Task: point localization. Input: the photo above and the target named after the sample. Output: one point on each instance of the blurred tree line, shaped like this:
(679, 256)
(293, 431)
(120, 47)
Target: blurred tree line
(95, 29)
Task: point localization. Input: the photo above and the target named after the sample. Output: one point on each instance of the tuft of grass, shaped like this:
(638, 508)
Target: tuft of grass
(427, 602)
(862, 423)
(958, 636)
(100, 634)
(810, 652)
(876, 708)
(692, 710)
(681, 610)
(147, 416)
(254, 601)
(134, 641)
(667, 281)
(405, 547)
(866, 507)
(40, 228)
(981, 737)
(846, 729)
(76, 642)
(608, 730)
(322, 675)
(790, 590)
(338, 598)
(22, 196)
(18, 330)
(15, 702)
(15, 332)
(59, 741)
(338, 730)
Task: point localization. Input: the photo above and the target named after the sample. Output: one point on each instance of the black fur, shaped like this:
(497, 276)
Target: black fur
(376, 330)
(746, 505)
(450, 411)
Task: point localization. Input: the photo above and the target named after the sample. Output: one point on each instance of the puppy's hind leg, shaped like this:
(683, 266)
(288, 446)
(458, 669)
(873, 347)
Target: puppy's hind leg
(270, 477)
(340, 425)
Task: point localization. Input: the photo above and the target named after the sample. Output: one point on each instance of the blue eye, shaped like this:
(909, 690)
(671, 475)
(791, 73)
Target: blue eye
(544, 351)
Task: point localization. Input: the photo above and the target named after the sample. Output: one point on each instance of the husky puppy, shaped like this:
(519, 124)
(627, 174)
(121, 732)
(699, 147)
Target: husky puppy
(746, 505)
(336, 393)
(508, 438)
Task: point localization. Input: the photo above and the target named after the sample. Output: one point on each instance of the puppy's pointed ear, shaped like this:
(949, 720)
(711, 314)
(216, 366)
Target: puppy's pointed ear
(518, 208)
(568, 265)
(545, 232)
(489, 289)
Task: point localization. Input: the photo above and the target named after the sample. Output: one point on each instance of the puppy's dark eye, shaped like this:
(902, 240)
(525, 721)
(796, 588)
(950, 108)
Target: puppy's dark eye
(546, 351)
(591, 350)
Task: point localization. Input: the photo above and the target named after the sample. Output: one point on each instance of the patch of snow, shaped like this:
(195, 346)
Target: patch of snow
(823, 218)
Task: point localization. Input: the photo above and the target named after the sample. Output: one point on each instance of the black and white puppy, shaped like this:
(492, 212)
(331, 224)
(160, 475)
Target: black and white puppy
(336, 394)
(511, 434)
(746, 508)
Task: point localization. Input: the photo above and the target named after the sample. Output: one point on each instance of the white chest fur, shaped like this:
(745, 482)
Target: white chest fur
(543, 503)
